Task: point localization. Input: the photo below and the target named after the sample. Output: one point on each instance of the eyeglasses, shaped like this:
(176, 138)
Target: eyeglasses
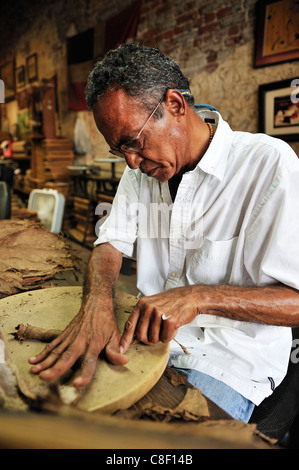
(134, 144)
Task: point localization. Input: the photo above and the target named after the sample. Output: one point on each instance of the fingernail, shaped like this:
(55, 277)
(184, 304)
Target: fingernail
(78, 382)
(121, 349)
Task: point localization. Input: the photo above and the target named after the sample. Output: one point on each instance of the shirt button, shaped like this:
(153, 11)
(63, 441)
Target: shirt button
(174, 274)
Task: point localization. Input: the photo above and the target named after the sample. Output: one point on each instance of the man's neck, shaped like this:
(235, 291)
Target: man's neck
(174, 183)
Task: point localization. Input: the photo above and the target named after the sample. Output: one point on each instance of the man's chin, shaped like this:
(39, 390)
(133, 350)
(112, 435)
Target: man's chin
(161, 178)
(163, 175)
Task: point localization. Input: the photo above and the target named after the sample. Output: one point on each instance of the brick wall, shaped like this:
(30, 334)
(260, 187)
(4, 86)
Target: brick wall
(199, 34)
(213, 42)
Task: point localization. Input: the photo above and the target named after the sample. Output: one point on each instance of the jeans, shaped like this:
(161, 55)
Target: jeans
(223, 395)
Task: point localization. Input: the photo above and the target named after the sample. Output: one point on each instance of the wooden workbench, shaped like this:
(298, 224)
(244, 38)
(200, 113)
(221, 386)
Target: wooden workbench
(62, 427)
(52, 425)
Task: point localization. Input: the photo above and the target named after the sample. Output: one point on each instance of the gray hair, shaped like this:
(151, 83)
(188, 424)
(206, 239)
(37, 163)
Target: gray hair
(142, 72)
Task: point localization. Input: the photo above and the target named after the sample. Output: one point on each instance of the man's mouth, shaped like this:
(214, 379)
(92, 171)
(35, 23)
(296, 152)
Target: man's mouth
(147, 171)
(152, 172)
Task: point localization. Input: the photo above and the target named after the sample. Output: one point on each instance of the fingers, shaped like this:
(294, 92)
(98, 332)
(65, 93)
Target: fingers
(60, 355)
(168, 329)
(88, 368)
(129, 330)
(91, 358)
(55, 361)
(154, 327)
(143, 325)
(48, 349)
(113, 352)
(149, 325)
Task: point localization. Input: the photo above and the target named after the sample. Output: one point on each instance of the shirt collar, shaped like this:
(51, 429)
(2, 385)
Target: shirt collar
(214, 161)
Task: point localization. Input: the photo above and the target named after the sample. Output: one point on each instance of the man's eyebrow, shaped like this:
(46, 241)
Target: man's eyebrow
(123, 140)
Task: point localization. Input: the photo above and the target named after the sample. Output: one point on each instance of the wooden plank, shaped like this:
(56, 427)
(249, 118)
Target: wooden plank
(75, 430)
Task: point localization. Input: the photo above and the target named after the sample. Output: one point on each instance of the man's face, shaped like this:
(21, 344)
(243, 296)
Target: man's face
(163, 144)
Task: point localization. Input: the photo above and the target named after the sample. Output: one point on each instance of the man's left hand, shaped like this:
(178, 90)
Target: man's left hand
(157, 317)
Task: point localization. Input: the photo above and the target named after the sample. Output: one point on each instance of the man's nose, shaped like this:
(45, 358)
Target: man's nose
(133, 159)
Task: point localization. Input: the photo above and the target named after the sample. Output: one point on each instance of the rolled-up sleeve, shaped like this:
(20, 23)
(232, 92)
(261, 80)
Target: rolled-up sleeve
(121, 225)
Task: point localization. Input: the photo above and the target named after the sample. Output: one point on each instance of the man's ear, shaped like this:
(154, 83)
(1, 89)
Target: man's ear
(175, 102)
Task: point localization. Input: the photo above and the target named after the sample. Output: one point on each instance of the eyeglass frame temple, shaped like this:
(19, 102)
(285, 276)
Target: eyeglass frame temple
(150, 116)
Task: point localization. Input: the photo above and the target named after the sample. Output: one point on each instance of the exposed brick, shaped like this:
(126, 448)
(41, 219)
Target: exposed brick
(178, 30)
(146, 7)
(198, 20)
(233, 41)
(162, 9)
(209, 28)
(211, 56)
(152, 32)
(223, 12)
(198, 42)
(210, 17)
(169, 34)
(190, 5)
(185, 18)
(233, 30)
(200, 31)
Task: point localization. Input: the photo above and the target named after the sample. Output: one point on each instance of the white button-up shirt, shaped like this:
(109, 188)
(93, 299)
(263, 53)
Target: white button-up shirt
(235, 220)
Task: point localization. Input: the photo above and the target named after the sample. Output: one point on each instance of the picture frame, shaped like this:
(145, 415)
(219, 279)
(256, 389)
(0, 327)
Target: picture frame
(7, 74)
(23, 121)
(32, 68)
(279, 109)
(20, 77)
(277, 33)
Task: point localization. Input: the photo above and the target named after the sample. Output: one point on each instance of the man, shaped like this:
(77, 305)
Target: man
(219, 268)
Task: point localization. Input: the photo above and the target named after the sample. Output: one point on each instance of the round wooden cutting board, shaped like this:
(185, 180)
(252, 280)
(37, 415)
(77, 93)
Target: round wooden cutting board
(113, 387)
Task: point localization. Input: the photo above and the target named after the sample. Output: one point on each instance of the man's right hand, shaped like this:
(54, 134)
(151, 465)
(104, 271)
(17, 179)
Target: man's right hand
(93, 330)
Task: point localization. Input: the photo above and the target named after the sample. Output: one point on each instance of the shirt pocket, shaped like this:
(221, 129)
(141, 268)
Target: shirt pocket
(212, 262)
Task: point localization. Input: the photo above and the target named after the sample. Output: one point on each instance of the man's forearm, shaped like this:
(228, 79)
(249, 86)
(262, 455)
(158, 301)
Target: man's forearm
(275, 304)
(158, 317)
(102, 271)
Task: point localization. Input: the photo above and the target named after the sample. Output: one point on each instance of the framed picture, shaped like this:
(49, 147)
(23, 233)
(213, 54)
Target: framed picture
(279, 109)
(7, 74)
(23, 98)
(20, 77)
(277, 35)
(31, 66)
(24, 129)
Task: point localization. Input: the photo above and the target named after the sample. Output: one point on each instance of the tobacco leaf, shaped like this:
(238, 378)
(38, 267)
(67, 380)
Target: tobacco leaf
(175, 377)
(30, 255)
(193, 407)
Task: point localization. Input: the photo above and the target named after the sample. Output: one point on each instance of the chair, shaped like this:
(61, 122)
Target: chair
(5, 201)
(275, 416)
